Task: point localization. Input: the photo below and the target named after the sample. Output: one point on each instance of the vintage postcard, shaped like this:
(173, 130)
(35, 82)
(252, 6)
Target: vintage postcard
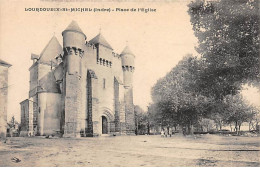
(127, 83)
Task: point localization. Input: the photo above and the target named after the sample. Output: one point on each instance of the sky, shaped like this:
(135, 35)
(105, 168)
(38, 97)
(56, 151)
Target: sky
(158, 39)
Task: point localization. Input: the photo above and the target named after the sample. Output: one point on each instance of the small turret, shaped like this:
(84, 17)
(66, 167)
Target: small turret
(73, 36)
(73, 45)
(128, 65)
(128, 69)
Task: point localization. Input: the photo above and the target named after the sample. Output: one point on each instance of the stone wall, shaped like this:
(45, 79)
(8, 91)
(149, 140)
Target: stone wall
(129, 111)
(72, 106)
(117, 106)
(37, 71)
(3, 100)
(27, 118)
(24, 117)
(33, 78)
(49, 113)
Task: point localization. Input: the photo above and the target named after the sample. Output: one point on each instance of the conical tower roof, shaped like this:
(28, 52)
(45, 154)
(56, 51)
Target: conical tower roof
(52, 49)
(127, 50)
(74, 27)
(99, 39)
(4, 63)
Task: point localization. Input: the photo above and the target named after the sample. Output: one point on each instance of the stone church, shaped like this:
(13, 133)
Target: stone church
(80, 89)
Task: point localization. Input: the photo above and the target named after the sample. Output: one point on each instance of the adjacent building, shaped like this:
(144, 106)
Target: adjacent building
(4, 66)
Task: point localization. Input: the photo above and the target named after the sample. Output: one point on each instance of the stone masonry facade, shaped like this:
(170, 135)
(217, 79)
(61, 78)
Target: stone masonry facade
(82, 88)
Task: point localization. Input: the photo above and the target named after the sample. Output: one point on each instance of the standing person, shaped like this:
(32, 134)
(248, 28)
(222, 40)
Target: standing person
(184, 130)
(170, 132)
(165, 132)
(162, 133)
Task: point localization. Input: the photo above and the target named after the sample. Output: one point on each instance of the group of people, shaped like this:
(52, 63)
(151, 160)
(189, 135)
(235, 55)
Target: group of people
(166, 132)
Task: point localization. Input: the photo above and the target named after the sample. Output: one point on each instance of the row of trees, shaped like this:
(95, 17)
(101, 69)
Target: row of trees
(209, 86)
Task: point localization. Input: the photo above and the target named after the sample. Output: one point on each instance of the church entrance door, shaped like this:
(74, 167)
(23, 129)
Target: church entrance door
(104, 125)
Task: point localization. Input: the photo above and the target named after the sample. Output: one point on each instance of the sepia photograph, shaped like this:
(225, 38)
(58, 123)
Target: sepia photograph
(128, 83)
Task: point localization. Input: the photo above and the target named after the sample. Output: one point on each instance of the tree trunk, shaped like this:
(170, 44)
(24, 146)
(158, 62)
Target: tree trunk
(190, 129)
(236, 128)
(220, 125)
(137, 127)
(148, 128)
(239, 125)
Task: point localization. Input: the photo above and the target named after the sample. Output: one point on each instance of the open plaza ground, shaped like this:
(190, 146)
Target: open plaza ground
(125, 151)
